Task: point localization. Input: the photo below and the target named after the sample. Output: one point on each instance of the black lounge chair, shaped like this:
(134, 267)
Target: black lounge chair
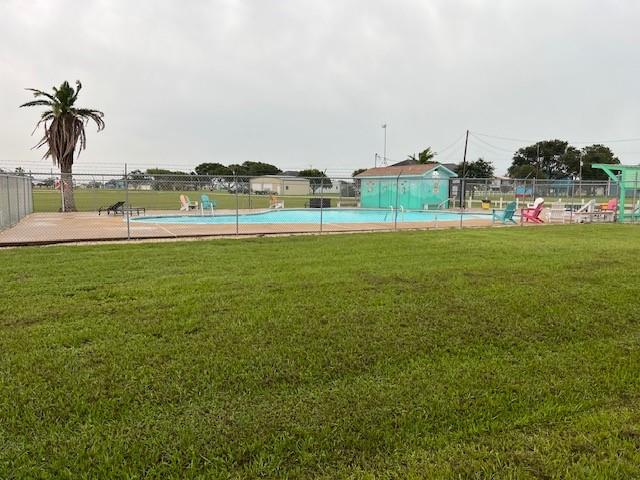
(115, 208)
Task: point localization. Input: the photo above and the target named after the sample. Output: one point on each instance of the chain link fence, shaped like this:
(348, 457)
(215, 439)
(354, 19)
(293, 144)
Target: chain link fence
(16, 200)
(138, 205)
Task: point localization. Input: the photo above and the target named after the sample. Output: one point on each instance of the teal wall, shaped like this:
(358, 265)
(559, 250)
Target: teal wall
(413, 193)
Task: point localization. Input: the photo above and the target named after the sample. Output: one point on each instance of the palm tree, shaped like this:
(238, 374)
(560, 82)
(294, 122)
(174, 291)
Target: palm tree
(426, 155)
(64, 133)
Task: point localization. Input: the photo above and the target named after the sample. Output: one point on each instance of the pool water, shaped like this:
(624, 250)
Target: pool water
(308, 215)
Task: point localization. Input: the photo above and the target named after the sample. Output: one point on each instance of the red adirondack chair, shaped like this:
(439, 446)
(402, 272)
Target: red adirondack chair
(532, 214)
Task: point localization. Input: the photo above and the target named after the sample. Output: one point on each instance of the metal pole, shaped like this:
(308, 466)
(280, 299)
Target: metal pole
(634, 212)
(126, 201)
(8, 201)
(464, 169)
(24, 194)
(571, 202)
(384, 159)
(62, 190)
(17, 179)
(321, 200)
(580, 158)
(237, 205)
(462, 186)
(395, 217)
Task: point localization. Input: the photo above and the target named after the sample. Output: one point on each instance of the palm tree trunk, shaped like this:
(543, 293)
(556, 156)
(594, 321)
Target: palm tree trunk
(67, 187)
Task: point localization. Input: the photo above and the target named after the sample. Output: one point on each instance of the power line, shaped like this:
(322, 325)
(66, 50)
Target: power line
(512, 139)
(491, 145)
(451, 145)
(504, 138)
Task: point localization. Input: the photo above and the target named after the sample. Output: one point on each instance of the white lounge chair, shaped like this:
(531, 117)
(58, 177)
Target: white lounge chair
(556, 213)
(535, 203)
(585, 212)
(275, 202)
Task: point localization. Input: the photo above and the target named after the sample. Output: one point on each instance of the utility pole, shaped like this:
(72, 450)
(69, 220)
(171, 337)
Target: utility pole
(375, 160)
(464, 170)
(580, 160)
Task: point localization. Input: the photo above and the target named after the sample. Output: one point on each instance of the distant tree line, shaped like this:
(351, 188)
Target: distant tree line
(546, 159)
(557, 159)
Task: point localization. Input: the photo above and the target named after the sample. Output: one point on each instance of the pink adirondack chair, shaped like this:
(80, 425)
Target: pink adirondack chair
(612, 205)
(186, 204)
(532, 214)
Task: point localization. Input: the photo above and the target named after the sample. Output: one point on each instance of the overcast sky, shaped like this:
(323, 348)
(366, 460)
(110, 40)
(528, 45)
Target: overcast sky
(304, 83)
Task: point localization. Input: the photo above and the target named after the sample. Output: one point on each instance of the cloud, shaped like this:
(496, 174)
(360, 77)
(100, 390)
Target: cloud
(299, 83)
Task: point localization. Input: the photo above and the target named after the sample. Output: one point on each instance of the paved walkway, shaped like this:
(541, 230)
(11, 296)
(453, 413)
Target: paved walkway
(43, 228)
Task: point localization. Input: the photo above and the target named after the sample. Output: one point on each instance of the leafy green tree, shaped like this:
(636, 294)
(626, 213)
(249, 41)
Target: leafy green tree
(525, 171)
(317, 179)
(596, 154)
(256, 169)
(358, 171)
(478, 169)
(546, 159)
(64, 134)
(251, 169)
(216, 173)
(137, 178)
(213, 169)
(163, 179)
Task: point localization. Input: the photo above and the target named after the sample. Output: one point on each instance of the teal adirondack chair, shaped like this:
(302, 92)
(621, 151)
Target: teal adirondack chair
(505, 215)
(635, 212)
(206, 204)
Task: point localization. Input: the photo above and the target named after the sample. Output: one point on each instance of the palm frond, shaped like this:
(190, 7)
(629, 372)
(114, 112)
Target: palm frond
(91, 114)
(39, 93)
(37, 103)
(78, 88)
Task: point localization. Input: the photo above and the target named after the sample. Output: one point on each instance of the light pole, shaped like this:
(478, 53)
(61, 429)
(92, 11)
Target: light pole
(580, 175)
(384, 157)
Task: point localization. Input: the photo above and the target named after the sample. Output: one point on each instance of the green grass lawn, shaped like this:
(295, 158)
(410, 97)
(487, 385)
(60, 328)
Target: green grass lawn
(503, 353)
(89, 200)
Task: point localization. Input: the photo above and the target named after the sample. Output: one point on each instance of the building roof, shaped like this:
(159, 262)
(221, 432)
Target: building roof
(281, 177)
(402, 170)
(408, 161)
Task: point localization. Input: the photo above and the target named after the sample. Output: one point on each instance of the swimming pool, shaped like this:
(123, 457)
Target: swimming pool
(309, 215)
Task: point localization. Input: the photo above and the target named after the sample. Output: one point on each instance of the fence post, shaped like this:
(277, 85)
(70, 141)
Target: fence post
(237, 205)
(126, 201)
(321, 201)
(62, 191)
(395, 217)
(462, 186)
(635, 211)
(8, 202)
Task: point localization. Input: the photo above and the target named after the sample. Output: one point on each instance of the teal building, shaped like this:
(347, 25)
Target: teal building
(412, 187)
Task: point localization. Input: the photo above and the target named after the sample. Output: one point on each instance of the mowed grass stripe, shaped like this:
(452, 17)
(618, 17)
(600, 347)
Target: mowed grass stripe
(505, 352)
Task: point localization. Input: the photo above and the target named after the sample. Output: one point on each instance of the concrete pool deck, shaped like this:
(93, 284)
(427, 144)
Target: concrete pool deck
(45, 228)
